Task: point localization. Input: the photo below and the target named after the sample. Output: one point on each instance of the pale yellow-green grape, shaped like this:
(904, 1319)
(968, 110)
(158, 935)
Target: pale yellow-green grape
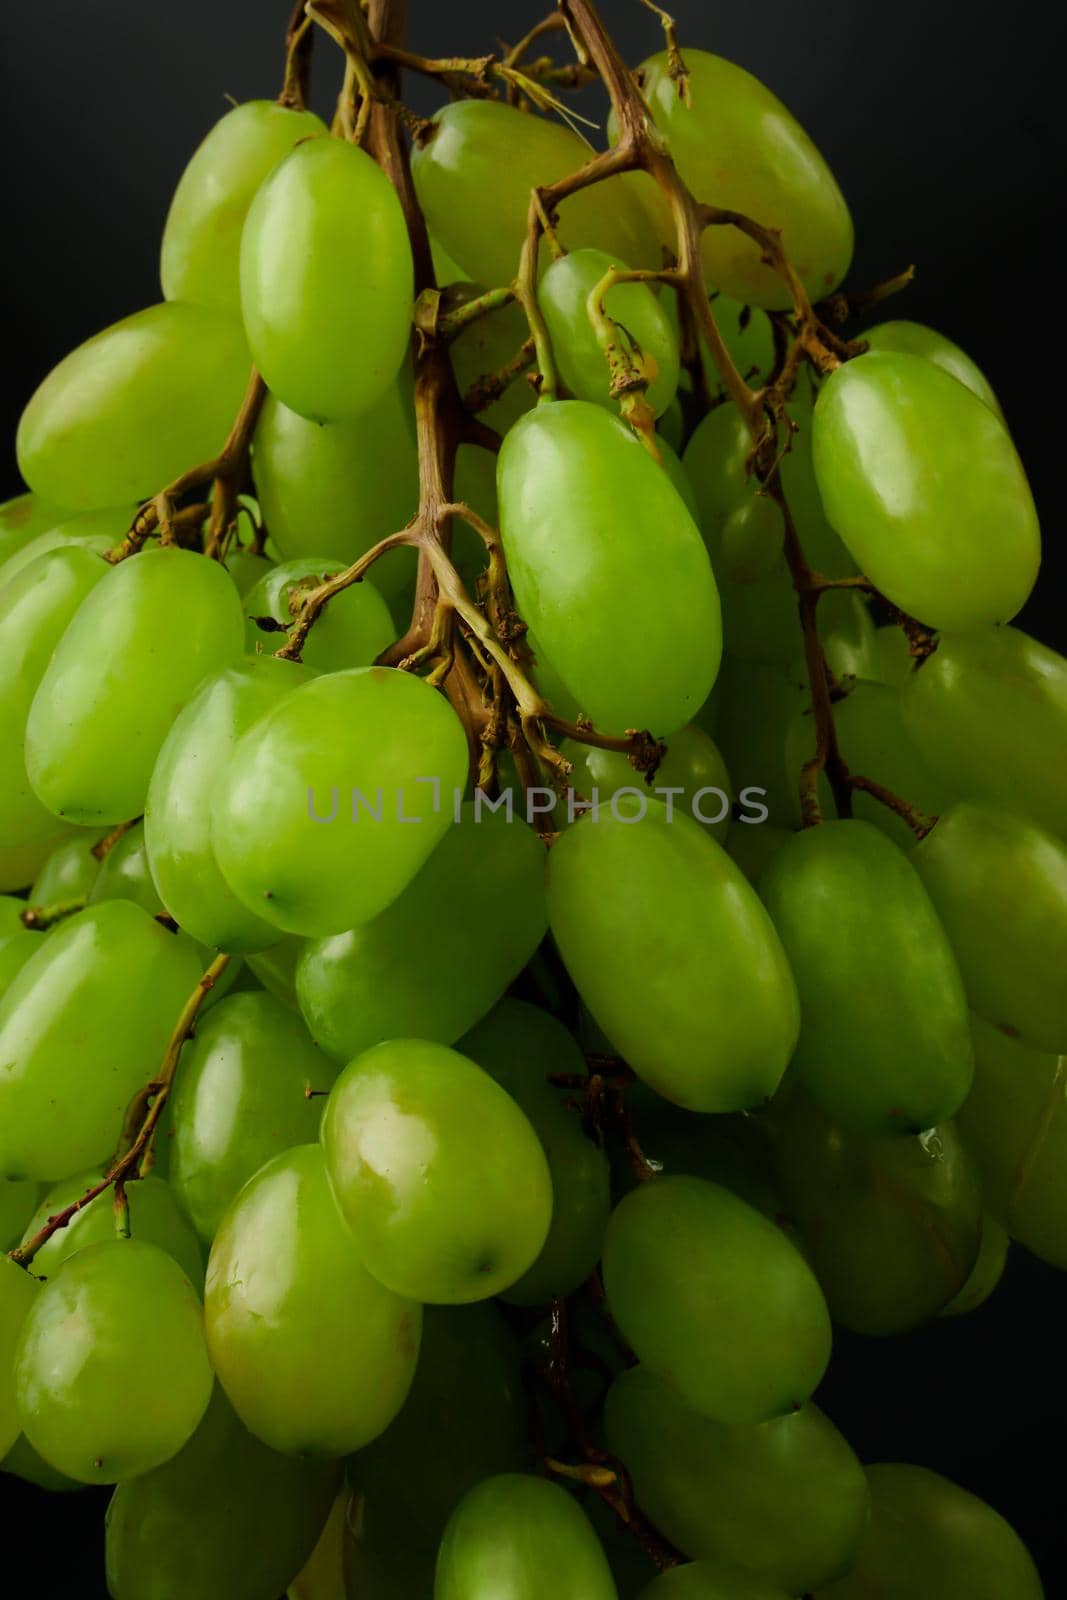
(224, 1519)
(177, 822)
(928, 1539)
(202, 237)
(514, 1537)
(715, 1299)
(354, 628)
(692, 770)
(138, 647)
(315, 1356)
(999, 886)
(327, 280)
(895, 660)
(1015, 1125)
(738, 147)
(709, 1580)
(95, 531)
(70, 869)
(275, 968)
(914, 339)
(20, 864)
(483, 347)
(363, 986)
(338, 489)
(785, 1500)
(574, 480)
(125, 875)
(18, 1201)
(155, 1218)
(22, 519)
(112, 1373)
(757, 703)
(917, 476)
(22, 1461)
(986, 709)
(133, 407)
(243, 1095)
(884, 1040)
(333, 800)
(113, 980)
(986, 1273)
(473, 174)
(437, 1171)
(675, 957)
(891, 1226)
(18, 1292)
(520, 1046)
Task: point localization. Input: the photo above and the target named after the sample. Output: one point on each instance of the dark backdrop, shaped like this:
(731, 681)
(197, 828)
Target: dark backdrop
(944, 126)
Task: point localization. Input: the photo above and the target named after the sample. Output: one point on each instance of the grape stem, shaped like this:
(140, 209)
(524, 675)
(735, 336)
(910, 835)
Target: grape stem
(299, 43)
(103, 847)
(41, 917)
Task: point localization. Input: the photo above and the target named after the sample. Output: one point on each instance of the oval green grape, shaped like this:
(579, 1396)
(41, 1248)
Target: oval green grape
(692, 766)
(94, 531)
(986, 1273)
(515, 1537)
(354, 629)
(22, 518)
(18, 1294)
(126, 875)
(155, 1218)
(70, 871)
(915, 339)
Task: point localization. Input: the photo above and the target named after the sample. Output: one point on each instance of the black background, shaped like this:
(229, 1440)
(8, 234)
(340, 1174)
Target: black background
(944, 126)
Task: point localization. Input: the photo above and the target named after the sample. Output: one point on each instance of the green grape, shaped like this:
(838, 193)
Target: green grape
(178, 808)
(224, 1519)
(354, 629)
(327, 280)
(564, 299)
(708, 1580)
(246, 567)
(985, 710)
(15, 950)
(94, 531)
(785, 1500)
(914, 339)
(243, 1095)
(70, 869)
(848, 638)
(21, 520)
(675, 957)
(473, 174)
(482, 348)
(737, 146)
(112, 1373)
(691, 766)
(155, 1218)
(714, 1298)
(444, 268)
(362, 986)
(22, 1461)
(20, 864)
(986, 1273)
(751, 847)
(134, 406)
(202, 236)
(894, 656)
(437, 1172)
(884, 1041)
(372, 749)
(822, 547)
(916, 473)
(338, 489)
(114, 981)
(134, 654)
(514, 1537)
(275, 968)
(999, 886)
(891, 1227)
(309, 1372)
(18, 1201)
(520, 1046)
(125, 874)
(671, 428)
(1015, 1125)
(757, 703)
(746, 332)
(571, 477)
(929, 1539)
(18, 1292)
(35, 609)
(322, 1577)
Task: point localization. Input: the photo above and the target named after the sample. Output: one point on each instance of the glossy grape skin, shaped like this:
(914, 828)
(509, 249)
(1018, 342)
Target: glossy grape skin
(363, 986)
(915, 339)
(155, 1218)
(929, 1539)
(95, 531)
(372, 732)
(327, 280)
(242, 1096)
(120, 1319)
(336, 490)
(515, 1537)
(354, 629)
(884, 1040)
(23, 1461)
(647, 916)
(70, 869)
(139, 645)
(572, 477)
(520, 1046)
(785, 1500)
(473, 177)
(916, 474)
(738, 147)
(201, 250)
(125, 875)
(986, 1273)
(692, 764)
(133, 407)
(275, 968)
(848, 635)
(22, 518)
(437, 1172)
(21, 863)
(999, 886)
(178, 806)
(18, 1293)
(307, 1372)
(224, 1519)
(116, 982)
(563, 296)
(16, 948)
(985, 710)
(891, 1227)
(709, 1580)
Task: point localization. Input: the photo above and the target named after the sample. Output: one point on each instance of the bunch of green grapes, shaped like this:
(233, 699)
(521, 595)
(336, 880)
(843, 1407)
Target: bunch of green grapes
(483, 995)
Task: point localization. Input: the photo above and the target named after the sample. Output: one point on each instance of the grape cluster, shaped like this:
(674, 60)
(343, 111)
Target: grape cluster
(535, 863)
